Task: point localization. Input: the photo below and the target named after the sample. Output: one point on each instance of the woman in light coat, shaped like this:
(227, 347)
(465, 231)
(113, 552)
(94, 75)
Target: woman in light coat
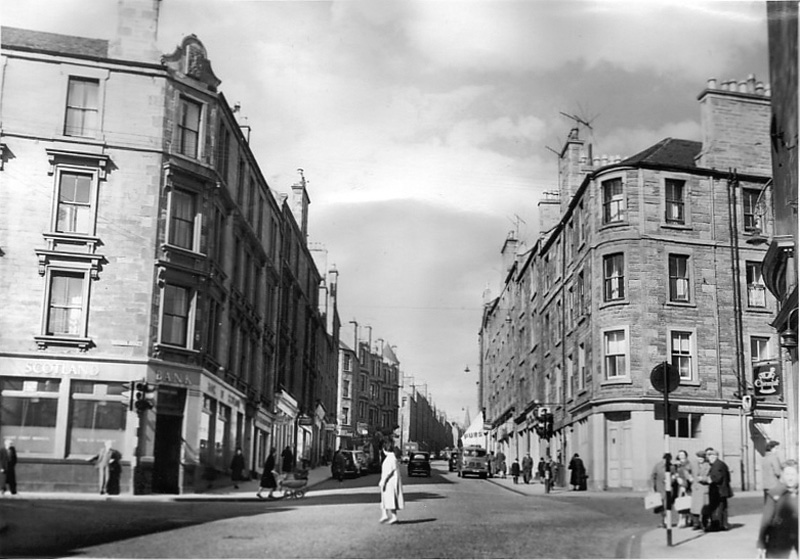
(391, 486)
(699, 509)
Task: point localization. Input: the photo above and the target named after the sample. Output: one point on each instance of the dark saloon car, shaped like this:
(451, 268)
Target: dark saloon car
(452, 463)
(419, 462)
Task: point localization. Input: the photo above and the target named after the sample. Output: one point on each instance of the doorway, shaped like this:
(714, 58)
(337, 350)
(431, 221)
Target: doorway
(619, 450)
(168, 440)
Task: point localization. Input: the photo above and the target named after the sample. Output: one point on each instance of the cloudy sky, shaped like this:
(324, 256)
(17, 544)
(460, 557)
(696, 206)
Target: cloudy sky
(424, 127)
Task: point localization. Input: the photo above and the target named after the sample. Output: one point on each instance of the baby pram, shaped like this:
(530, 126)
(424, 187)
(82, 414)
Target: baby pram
(292, 486)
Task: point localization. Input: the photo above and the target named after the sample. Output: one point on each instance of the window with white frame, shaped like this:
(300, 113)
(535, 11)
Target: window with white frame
(75, 203)
(65, 309)
(752, 219)
(681, 345)
(189, 127)
(613, 201)
(679, 278)
(580, 218)
(346, 388)
(674, 199)
(756, 289)
(615, 354)
(581, 295)
(759, 348)
(83, 102)
(614, 277)
(581, 366)
(184, 220)
(176, 315)
(345, 415)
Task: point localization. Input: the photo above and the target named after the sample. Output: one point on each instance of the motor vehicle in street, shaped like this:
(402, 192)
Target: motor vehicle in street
(419, 462)
(452, 462)
(474, 461)
(354, 463)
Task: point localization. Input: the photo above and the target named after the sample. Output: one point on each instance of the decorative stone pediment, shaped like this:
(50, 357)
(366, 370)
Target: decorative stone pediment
(190, 60)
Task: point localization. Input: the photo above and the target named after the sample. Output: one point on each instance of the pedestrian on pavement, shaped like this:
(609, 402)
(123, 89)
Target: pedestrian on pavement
(661, 480)
(338, 465)
(326, 459)
(777, 535)
(577, 475)
(390, 484)
(287, 460)
(237, 467)
(770, 468)
(306, 457)
(682, 485)
(491, 464)
(268, 476)
(101, 462)
(527, 468)
(719, 490)
(114, 472)
(540, 469)
(501, 463)
(8, 467)
(699, 508)
(515, 471)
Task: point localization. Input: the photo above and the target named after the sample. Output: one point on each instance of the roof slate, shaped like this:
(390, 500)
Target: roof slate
(53, 42)
(670, 152)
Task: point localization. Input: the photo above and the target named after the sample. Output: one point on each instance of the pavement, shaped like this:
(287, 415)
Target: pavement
(738, 542)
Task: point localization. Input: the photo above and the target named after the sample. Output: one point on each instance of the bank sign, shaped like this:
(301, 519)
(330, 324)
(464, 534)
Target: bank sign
(767, 379)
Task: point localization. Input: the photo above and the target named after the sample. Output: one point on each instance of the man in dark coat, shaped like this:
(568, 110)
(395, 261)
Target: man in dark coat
(577, 476)
(237, 467)
(268, 477)
(719, 490)
(8, 465)
(527, 468)
(338, 465)
(287, 463)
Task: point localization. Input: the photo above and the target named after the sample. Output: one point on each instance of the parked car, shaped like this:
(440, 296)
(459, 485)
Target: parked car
(419, 462)
(354, 463)
(452, 463)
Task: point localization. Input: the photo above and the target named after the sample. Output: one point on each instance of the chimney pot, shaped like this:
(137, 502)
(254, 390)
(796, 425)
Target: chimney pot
(596, 161)
(760, 88)
(712, 83)
(743, 86)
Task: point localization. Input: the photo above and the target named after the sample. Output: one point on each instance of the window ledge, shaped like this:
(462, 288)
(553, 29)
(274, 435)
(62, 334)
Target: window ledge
(163, 346)
(689, 304)
(667, 225)
(614, 303)
(765, 310)
(612, 225)
(616, 381)
(689, 383)
(45, 340)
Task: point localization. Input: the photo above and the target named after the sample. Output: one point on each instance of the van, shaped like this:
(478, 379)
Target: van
(474, 461)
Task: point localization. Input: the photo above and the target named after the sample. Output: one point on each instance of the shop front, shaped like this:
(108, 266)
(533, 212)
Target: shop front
(59, 413)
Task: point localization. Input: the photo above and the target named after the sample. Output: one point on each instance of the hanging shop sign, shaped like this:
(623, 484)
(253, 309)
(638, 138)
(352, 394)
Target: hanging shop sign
(767, 378)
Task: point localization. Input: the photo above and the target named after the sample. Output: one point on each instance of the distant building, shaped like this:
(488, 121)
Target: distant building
(650, 259)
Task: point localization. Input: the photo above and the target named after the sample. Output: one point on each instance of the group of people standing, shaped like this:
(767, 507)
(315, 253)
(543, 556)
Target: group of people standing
(707, 482)
(268, 480)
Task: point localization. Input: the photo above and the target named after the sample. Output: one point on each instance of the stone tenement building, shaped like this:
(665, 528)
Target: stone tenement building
(141, 243)
(651, 259)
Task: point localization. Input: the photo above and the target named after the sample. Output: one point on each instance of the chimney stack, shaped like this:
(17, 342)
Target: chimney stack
(300, 202)
(735, 126)
(137, 31)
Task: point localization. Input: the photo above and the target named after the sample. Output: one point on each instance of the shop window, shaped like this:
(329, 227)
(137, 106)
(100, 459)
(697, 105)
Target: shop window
(98, 413)
(28, 413)
(204, 430)
(222, 440)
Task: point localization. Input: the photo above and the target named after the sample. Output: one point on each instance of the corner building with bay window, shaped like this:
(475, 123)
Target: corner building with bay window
(650, 259)
(140, 241)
